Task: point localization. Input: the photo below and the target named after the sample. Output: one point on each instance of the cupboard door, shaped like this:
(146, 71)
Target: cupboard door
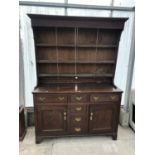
(52, 119)
(102, 118)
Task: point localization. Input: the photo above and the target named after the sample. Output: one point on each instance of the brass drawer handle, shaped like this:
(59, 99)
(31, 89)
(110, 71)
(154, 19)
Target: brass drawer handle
(78, 108)
(79, 98)
(65, 113)
(61, 98)
(78, 119)
(95, 98)
(41, 98)
(113, 97)
(77, 129)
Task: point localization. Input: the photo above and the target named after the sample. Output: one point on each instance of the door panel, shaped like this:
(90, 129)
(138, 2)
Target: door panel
(102, 118)
(52, 119)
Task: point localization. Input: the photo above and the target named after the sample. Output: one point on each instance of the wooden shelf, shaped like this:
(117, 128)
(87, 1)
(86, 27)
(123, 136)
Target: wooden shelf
(75, 75)
(80, 46)
(77, 62)
(50, 45)
(98, 46)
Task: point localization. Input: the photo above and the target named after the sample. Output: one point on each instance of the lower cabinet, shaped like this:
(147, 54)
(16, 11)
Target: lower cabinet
(75, 118)
(51, 120)
(102, 118)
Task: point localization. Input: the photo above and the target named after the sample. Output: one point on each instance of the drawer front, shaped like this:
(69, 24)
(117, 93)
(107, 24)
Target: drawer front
(104, 97)
(78, 119)
(78, 123)
(78, 109)
(47, 98)
(79, 98)
(78, 129)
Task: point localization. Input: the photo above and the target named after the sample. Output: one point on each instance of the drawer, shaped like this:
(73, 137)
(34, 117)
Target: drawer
(78, 119)
(104, 97)
(79, 98)
(78, 129)
(78, 109)
(78, 123)
(55, 98)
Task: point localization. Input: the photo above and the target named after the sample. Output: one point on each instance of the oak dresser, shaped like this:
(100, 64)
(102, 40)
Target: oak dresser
(76, 60)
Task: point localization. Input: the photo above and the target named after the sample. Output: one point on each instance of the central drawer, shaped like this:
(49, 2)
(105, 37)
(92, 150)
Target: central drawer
(78, 119)
(78, 109)
(76, 129)
(47, 98)
(79, 98)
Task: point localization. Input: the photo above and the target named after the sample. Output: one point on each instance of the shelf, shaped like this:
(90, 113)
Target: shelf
(75, 75)
(80, 46)
(78, 62)
(50, 45)
(98, 46)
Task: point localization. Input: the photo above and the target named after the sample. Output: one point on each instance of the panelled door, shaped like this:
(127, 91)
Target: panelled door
(102, 118)
(52, 119)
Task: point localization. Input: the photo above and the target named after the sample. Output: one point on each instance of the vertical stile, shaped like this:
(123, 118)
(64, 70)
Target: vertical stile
(57, 52)
(96, 50)
(76, 38)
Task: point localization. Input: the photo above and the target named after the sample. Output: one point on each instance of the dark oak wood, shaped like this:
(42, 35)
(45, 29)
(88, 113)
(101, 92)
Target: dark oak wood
(102, 118)
(76, 60)
(74, 21)
(53, 119)
(22, 127)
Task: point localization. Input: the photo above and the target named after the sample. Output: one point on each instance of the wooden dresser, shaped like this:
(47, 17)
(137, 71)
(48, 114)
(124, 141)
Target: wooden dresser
(76, 60)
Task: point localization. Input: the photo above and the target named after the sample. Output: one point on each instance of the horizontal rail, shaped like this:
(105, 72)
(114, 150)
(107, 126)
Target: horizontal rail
(76, 6)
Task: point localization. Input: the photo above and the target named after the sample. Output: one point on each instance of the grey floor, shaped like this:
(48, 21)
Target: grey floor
(101, 145)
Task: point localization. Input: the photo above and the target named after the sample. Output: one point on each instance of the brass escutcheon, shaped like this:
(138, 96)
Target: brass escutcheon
(91, 116)
(91, 113)
(65, 118)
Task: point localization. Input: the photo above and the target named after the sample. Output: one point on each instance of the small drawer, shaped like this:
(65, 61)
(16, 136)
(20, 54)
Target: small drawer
(78, 129)
(78, 119)
(78, 109)
(47, 98)
(104, 97)
(79, 98)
